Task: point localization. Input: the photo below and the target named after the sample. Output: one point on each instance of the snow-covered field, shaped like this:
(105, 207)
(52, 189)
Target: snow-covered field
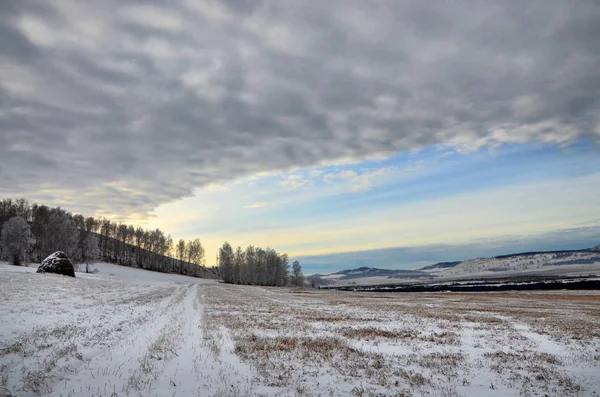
(129, 332)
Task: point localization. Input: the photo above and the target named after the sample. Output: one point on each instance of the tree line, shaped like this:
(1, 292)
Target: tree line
(257, 266)
(30, 232)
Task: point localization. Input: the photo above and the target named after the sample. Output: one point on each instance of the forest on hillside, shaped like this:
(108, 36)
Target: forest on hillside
(31, 232)
(44, 230)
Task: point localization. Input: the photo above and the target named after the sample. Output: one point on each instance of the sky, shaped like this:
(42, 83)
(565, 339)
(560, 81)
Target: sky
(386, 133)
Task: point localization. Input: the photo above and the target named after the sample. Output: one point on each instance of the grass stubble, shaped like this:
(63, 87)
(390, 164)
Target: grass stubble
(447, 344)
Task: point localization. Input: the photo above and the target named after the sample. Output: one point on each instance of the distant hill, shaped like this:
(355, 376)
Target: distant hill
(564, 252)
(440, 265)
(363, 272)
(504, 265)
(525, 262)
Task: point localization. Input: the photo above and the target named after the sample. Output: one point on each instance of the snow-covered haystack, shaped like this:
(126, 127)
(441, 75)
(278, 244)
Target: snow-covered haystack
(57, 263)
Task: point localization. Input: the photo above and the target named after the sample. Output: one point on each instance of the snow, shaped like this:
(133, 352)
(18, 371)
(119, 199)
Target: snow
(109, 270)
(334, 276)
(120, 330)
(416, 344)
(567, 264)
(543, 262)
(133, 332)
(53, 256)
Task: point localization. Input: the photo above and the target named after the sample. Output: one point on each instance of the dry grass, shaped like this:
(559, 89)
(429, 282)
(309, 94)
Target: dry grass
(414, 379)
(4, 392)
(37, 382)
(278, 358)
(482, 319)
(443, 363)
(402, 343)
(372, 333)
(326, 319)
(442, 338)
(15, 348)
(325, 347)
(3, 375)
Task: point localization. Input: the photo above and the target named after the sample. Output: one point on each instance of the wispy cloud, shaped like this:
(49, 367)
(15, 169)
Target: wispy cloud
(256, 205)
(217, 187)
(362, 181)
(295, 181)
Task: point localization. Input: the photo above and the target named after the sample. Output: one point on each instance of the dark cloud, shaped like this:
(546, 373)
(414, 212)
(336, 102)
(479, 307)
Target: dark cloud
(117, 107)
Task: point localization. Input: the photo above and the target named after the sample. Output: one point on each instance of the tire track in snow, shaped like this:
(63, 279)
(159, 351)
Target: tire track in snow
(150, 344)
(199, 369)
(45, 358)
(127, 366)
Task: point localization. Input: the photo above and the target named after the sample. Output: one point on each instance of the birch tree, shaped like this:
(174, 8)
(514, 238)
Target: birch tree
(15, 240)
(297, 271)
(226, 261)
(61, 235)
(181, 253)
(90, 250)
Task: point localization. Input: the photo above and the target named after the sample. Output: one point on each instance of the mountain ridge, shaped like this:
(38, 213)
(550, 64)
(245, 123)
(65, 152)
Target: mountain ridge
(365, 271)
(501, 264)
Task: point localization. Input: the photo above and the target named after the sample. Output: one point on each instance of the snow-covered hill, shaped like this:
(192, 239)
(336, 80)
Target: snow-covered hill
(103, 270)
(521, 263)
(439, 266)
(363, 272)
(560, 262)
(367, 276)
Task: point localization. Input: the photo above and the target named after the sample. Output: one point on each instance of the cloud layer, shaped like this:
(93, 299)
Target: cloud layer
(117, 107)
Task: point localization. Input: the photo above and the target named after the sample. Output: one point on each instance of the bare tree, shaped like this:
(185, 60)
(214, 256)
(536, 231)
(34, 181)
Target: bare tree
(15, 240)
(254, 266)
(195, 252)
(61, 234)
(181, 253)
(226, 263)
(90, 250)
(238, 265)
(297, 271)
(55, 229)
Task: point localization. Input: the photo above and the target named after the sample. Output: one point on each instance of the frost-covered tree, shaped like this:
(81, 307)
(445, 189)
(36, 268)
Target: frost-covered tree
(297, 271)
(195, 252)
(249, 271)
(254, 266)
(61, 234)
(119, 243)
(90, 250)
(282, 269)
(238, 266)
(226, 263)
(15, 240)
(181, 253)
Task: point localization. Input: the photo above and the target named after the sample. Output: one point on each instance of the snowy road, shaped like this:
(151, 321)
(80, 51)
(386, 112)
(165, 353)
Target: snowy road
(104, 334)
